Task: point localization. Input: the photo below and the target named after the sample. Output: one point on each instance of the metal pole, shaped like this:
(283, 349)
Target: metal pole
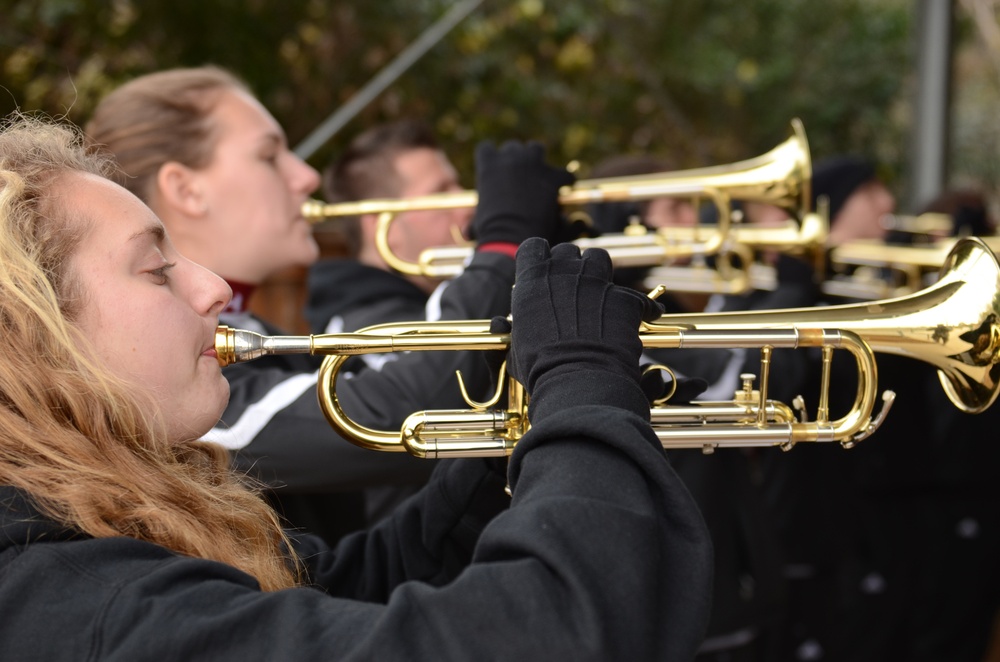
(385, 77)
(930, 135)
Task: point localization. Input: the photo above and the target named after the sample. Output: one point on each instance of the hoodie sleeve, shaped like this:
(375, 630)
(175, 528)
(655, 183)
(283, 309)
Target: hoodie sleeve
(277, 430)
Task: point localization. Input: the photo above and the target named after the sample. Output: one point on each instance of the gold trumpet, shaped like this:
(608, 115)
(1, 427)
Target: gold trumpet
(953, 325)
(870, 269)
(806, 239)
(780, 177)
(931, 224)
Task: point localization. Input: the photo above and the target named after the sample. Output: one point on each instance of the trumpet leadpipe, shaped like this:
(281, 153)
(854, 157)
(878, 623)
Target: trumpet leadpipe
(238, 345)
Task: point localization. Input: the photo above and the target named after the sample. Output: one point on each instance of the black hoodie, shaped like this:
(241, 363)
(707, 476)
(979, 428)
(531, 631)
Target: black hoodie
(602, 555)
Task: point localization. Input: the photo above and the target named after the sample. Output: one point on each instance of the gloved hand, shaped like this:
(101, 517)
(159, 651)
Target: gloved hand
(518, 193)
(575, 338)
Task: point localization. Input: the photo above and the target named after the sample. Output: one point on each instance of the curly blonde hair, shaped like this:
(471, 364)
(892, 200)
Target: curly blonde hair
(72, 436)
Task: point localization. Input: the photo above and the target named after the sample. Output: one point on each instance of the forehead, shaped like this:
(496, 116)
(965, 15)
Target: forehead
(423, 166)
(239, 114)
(101, 208)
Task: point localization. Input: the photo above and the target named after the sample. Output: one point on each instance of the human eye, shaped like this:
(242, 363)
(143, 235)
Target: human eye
(161, 274)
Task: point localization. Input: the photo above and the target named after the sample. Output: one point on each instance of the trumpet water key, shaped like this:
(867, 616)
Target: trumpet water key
(953, 325)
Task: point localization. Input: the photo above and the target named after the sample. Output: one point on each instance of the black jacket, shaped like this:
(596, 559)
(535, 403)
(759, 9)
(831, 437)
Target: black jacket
(601, 556)
(277, 431)
(375, 296)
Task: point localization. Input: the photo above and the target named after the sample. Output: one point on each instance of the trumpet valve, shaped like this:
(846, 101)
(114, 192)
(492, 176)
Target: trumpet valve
(747, 395)
(799, 405)
(635, 228)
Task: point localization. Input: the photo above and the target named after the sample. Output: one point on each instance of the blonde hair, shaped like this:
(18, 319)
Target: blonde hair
(72, 436)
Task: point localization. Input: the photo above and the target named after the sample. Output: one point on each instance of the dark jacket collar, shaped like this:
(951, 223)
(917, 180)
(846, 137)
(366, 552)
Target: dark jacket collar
(337, 286)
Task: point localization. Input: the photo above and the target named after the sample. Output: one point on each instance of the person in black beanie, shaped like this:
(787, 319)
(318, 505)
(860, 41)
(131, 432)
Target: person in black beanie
(857, 198)
(927, 509)
(899, 533)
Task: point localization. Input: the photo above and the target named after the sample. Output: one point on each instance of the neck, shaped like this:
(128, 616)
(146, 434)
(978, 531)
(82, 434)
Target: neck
(241, 297)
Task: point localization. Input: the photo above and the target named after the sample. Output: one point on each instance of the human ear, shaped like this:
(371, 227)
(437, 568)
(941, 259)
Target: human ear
(180, 188)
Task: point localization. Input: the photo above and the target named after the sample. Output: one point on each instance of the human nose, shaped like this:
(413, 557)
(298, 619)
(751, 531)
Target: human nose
(210, 293)
(302, 177)
(890, 202)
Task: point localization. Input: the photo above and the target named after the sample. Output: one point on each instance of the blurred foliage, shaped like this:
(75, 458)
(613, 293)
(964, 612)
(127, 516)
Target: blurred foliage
(974, 153)
(697, 82)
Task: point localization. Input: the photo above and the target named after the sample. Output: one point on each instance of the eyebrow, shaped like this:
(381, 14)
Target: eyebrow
(272, 138)
(156, 231)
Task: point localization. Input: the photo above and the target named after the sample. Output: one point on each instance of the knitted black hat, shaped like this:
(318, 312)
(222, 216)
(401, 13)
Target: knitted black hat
(837, 178)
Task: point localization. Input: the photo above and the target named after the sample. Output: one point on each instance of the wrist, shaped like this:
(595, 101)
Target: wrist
(508, 248)
(583, 386)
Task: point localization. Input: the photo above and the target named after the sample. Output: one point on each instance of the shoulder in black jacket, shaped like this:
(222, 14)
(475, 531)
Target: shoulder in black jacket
(601, 556)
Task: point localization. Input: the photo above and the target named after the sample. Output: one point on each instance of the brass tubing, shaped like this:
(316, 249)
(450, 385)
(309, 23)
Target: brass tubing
(953, 325)
(781, 177)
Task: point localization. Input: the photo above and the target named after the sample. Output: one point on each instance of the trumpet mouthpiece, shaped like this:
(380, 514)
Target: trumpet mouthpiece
(235, 345)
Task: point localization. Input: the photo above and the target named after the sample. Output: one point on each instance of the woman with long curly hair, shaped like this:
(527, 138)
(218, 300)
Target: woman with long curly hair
(124, 537)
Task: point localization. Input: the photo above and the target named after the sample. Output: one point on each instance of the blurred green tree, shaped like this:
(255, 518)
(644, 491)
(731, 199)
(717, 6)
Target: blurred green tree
(700, 83)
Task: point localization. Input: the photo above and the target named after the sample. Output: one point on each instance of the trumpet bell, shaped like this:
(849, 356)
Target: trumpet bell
(952, 325)
(971, 372)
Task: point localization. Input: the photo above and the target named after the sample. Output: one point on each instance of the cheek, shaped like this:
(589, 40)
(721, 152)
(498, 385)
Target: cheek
(143, 353)
(443, 231)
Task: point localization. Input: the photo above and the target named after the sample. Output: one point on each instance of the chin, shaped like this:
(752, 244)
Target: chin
(308, 254)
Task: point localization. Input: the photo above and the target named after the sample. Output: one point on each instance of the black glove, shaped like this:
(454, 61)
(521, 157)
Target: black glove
(518, 193)
(575, 338)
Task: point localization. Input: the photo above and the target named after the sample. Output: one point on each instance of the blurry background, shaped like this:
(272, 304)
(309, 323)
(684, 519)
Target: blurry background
(697, 82)
(702, 82)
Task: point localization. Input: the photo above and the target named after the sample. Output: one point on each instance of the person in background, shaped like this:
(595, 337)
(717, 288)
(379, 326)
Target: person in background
(868, 531)
(926, 585)
(857, 198)
(968, 209)
(151, 547)
(215, 166)
(807, 490)
(397, 160)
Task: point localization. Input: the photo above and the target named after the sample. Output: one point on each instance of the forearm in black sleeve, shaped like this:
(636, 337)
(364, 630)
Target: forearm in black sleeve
(430, 538)
(602, 555)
